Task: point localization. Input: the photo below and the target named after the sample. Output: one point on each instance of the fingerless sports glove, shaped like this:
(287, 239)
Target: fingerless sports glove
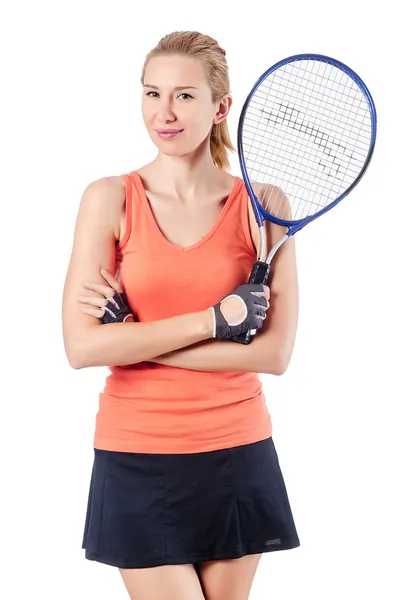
(225, 330)
(116, 310)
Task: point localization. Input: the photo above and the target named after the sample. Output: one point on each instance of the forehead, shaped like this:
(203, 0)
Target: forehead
(174, 70)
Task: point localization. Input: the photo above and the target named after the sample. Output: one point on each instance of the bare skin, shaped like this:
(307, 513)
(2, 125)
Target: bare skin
(197, 222)
(212, 580)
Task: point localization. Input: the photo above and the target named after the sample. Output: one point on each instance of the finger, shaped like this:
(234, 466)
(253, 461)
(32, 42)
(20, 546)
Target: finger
(265, 293)
(105, 290)
(266, 304)
(94, 312)
(92, 300)
(262, 301)
(261, 307)
(257, 288)
(260, 321)
(113, 282)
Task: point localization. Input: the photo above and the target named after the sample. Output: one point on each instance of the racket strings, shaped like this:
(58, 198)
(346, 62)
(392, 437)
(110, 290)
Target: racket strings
(318, 136)
(321, 139)
(306, 131)
(315, 94)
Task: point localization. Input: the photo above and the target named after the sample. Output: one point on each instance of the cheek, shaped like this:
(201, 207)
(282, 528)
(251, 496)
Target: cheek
(146, 114)
(149, 110)
(204, 127)
(199, 121)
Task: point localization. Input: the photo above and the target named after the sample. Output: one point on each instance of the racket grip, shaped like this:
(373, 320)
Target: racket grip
(260, 274)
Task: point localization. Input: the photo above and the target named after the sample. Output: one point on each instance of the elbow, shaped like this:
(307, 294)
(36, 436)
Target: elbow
(81, 345)
(274, 361)
(74, 361)
(281, 363)
(77, 358)
(278, 364)
(76, 365)
(280, 369)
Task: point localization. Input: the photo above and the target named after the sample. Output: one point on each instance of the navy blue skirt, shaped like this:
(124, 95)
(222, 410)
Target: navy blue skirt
(146, 510)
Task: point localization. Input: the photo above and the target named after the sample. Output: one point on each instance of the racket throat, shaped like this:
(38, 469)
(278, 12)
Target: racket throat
(261, 270)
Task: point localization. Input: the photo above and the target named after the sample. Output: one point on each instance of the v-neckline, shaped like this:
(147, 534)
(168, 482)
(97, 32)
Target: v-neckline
(203, 240)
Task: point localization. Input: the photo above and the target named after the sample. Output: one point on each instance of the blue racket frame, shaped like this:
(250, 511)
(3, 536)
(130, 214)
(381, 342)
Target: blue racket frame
(261, 270)
(260, 213)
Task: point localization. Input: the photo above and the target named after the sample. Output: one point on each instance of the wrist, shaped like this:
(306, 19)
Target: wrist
(208, 322)
(211, 311)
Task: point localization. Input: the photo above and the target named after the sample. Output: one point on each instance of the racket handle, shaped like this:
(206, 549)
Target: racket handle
(260, 274)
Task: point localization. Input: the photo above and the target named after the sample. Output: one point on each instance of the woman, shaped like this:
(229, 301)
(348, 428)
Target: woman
(186, 490)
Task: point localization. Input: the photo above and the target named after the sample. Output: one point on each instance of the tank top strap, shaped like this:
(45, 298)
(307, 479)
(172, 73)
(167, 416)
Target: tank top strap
(238, 218)
(132, 202)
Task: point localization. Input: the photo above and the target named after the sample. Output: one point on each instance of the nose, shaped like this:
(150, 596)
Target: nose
(165, 112)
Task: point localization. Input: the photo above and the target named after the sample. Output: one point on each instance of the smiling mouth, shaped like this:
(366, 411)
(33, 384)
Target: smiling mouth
(169, 134)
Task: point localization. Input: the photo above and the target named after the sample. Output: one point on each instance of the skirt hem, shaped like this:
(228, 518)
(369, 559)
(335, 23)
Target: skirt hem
(193, 558)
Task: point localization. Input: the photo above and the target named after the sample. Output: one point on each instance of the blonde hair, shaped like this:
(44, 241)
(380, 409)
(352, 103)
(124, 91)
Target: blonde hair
(204, 48)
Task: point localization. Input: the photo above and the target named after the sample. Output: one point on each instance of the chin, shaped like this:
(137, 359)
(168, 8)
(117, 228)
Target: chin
(169, 149)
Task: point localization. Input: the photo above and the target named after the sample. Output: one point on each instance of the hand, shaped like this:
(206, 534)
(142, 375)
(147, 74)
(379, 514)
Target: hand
(240, 312)
(112, 301)
(235, 311)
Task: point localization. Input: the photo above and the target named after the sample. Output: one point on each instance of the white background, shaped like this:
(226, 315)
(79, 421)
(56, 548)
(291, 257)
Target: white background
(70, 113)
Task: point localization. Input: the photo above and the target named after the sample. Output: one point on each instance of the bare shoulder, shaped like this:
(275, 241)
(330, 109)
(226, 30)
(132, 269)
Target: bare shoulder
(108, 194)
(110, 188)
(223, 184)
(273, 199)
(227, 181)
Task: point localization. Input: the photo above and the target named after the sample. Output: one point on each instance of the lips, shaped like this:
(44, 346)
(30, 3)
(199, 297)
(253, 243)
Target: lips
(168, 130)
(167, 134)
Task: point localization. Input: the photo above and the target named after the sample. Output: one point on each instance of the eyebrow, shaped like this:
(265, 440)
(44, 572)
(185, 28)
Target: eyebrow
(179, 87)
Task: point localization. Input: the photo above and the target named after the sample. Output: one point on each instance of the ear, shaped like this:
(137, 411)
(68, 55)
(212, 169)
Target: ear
(223, 108)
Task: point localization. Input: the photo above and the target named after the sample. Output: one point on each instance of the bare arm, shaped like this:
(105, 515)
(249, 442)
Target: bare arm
(87, 342)
(282, 321)
(129, 343)
(260, 356)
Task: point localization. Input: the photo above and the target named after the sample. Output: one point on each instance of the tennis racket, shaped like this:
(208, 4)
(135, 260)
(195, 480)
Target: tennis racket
(306, 135)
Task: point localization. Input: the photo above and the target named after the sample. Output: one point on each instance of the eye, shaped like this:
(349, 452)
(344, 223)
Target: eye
(156, 94)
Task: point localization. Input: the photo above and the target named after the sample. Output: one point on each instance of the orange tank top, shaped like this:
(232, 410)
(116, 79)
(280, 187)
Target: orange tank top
(152, 408)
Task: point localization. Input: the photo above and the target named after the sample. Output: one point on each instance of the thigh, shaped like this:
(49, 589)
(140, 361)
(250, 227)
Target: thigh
(231, 578)
(168, 582)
